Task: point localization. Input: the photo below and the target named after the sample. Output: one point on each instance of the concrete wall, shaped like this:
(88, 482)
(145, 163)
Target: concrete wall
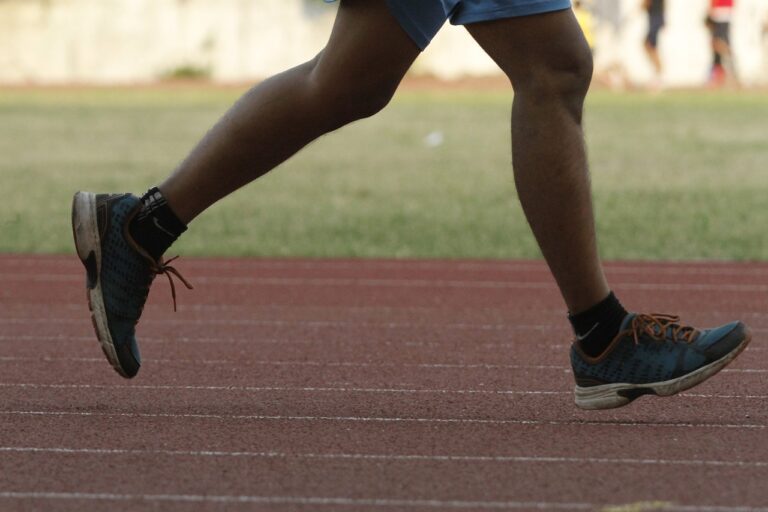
(129, 41)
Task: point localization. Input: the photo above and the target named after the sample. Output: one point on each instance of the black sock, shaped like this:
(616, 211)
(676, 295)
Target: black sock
(155, 227)
(596, 327)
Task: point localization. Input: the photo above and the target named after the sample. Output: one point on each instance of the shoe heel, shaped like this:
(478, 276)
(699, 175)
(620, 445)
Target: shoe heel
(601, 397)
(85, 230)
(84, 224)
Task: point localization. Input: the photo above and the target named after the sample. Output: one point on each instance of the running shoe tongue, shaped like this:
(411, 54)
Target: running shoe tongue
(626, 324)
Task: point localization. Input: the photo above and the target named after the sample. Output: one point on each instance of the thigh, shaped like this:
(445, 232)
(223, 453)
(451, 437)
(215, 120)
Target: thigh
(367, 45)
(655, 24)
(722, 31)
(521, 46)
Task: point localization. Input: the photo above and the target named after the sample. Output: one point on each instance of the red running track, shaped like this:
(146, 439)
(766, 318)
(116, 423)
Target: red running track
(367, 385)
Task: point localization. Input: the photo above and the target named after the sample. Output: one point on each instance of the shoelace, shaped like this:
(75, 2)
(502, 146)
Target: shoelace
(163, 267)
(656, 325)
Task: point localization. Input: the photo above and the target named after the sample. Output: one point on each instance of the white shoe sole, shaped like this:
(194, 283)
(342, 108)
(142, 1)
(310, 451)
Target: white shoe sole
(85, 229)
(609, 396)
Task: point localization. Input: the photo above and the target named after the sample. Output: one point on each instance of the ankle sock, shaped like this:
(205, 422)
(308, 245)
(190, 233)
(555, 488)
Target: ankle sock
(155, 227)
(596, 327)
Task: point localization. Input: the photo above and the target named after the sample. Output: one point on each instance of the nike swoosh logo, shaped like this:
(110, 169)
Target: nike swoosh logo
(582, 338)
(161, 228)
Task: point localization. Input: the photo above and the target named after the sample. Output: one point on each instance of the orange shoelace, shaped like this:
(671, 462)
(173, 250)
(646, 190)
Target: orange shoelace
(163, 267)
(656, 325)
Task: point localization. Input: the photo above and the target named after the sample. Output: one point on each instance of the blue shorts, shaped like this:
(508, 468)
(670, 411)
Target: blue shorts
(422, 19)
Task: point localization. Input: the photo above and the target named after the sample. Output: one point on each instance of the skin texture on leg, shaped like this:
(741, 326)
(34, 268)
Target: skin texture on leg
(550, 66)
(353, 77)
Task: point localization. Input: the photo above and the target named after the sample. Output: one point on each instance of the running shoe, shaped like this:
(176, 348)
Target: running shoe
(118, 273)
(653, 355)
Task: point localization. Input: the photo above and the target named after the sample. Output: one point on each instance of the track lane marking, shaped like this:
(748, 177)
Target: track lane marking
(298, 500)
(331, 364)
(213, 340)
(16, 320)
(412, 283)
(303, 323)
(303, 389)
(686, 268)
(342, 501)
(388, 456)
(382, 419)
(315, 389)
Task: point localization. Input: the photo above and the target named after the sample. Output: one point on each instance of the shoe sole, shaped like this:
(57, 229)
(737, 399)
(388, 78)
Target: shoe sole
(610, 396)
(85, 230)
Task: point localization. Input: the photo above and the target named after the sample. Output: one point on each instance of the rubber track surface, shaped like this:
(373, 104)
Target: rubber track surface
(367, 385)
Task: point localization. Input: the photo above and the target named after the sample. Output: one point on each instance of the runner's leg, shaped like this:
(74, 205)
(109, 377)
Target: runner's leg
(549, 63)
(353, 77)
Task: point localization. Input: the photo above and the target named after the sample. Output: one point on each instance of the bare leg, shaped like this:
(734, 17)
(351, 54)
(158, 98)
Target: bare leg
(653, 56)
(353, 77)
(549, 63)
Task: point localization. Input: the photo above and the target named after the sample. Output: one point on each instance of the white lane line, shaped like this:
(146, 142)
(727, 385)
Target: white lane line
(381, 419)
(412, 283)
(476, 344)
(271, 389)
(299, 500)
(389, 457)
(327, 389)
(677, 268)
(330, 324)
(61, 338)
(322, 364)
(552, 316)
(303, 323)
(283, 341)
(346, 364)
(354, 502)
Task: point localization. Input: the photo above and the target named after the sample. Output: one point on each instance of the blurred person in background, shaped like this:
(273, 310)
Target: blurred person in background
(718, 22)
(656, 22)
(586, 22)
(765, 45)
(609, 28)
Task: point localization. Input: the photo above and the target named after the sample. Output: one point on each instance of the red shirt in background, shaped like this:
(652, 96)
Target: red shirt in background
(720, 10)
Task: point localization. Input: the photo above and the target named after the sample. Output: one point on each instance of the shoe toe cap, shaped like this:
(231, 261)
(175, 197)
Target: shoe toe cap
(126, 347)
(130, 360)
(718, 342)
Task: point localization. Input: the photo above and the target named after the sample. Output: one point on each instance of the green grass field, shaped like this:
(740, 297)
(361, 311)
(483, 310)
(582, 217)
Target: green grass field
(675, 176)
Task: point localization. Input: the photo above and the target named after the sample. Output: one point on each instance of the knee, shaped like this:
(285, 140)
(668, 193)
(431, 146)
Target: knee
(358, 99)
(564, 80)
(361, 100)
(353, 97)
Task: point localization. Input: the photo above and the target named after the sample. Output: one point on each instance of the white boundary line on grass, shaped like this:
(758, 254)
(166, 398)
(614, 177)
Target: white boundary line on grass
(382, 419)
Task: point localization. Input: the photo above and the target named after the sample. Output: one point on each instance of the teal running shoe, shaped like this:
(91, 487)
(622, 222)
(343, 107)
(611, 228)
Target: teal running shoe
(653, 355)
(118, 273)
